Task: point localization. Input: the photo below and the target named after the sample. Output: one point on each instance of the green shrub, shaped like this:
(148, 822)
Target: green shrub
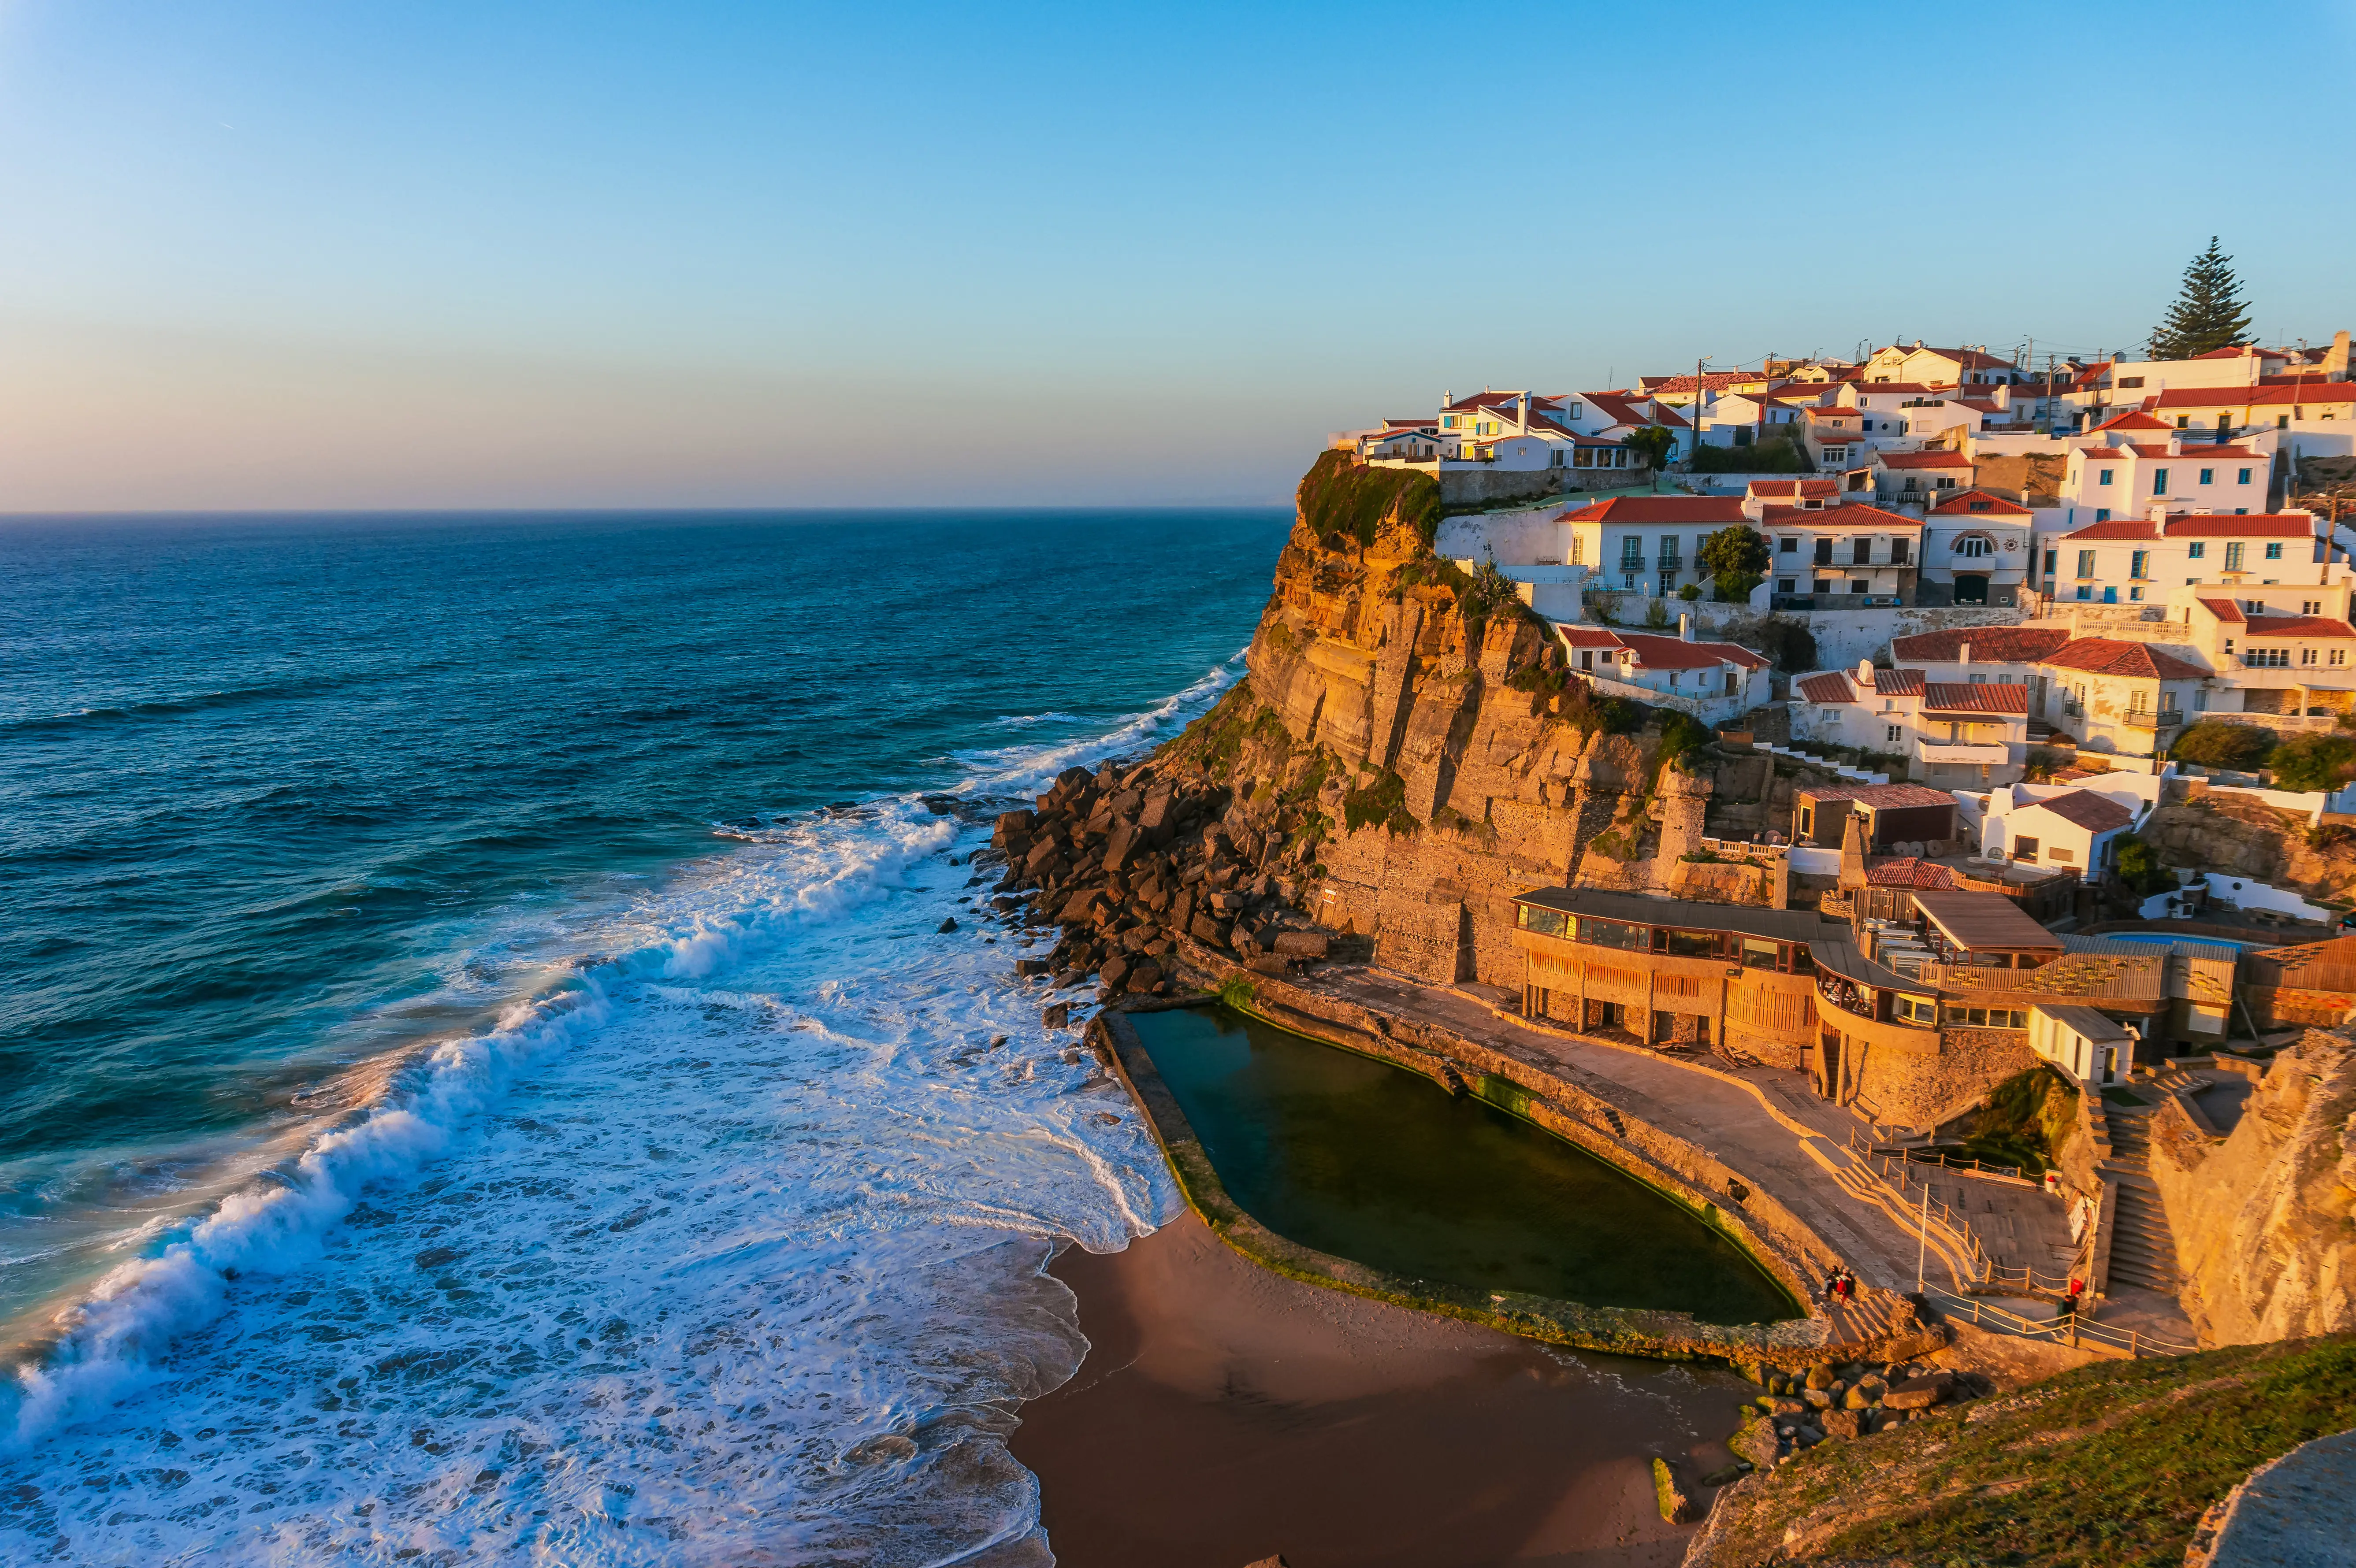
(1690, 592)
(2041, 764)
(1340, 495)
(2139, 869)
(1682, 735)
(2313, 761)
(1775, 455)
(1382, 803)
(1238, 992)
(2241, 747)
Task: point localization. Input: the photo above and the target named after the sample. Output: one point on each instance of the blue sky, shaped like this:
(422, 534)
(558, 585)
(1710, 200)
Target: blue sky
(427, 254)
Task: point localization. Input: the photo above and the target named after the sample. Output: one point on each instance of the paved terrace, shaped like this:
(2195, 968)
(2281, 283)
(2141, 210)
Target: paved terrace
(1759, 1120)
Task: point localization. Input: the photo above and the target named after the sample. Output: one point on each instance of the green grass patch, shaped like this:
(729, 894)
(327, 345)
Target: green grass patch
(2124, 1097)
(1338, 496)
(1380, 803)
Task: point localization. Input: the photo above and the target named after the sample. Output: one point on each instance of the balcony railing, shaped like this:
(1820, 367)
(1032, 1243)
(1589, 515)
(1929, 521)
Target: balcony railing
(2168, 719)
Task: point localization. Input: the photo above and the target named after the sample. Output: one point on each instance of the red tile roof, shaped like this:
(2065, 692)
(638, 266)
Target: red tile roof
(1995, 644)
(2115, 529)
(1714, 381)
(1888, 795)
(2133, 419)
(1898, 683)
(1674, 653)
(1492, 401)
(1980, 501)
(1848, 517)
(1826, 689)
(1622, 410)
(2232, 526)
(1585, 637)
(1923, 460)
(1966, 697)
(1433, 423)
(2094, 812)
(1718, 510)
(1908, 871)
(2111, 655)
(2274, 392)
(2224, 609)
(2187, 452)
(1790, 486)
(1877, 389)
(2238, 351)
(2298, 626)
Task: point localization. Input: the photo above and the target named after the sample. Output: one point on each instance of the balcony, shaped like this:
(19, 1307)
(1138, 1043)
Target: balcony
(1670, 563)
(2167, 719)
(1985, 756)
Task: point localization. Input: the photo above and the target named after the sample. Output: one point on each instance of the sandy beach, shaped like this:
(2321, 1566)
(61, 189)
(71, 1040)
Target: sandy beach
(1224, 1414)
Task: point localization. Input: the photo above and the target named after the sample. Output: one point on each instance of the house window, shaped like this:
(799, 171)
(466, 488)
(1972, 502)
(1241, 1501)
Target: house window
(1860, 586)
(2208, 476)
(1897, 552)
(1918, 1009)
(1973, 547)
(2048, 562)
(2339, 655)
(2234, 556)
(2135, 592)
(1787, 585)
(1889, 733)
(1821, 585)
(2139, 564)
(2024, 848)
(2267, 659)
(2106, 478)
(2282, 421)
(1861, 552)
(2273, 550)
(1787, 546)
(2244, 478)
(2197, 549)
(2085, 563)
(2085, 592)
(2126, 381)
(2310, 606)
(2307, 655)
(1632, 553)
(2061, 855)
(2159, 481)
(2102, 514)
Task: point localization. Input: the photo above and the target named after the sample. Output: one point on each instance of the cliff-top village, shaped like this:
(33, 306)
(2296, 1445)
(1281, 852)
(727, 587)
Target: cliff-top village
(1947, 750)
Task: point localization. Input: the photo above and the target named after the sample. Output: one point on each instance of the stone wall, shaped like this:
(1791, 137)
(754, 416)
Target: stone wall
(1487, 485)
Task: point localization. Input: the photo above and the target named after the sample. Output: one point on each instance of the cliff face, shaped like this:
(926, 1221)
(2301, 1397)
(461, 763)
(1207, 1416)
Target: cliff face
(1407, 733)
(2263, 1221)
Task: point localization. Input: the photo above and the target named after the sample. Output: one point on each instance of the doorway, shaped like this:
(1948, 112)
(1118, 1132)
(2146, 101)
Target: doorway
(1971, 589)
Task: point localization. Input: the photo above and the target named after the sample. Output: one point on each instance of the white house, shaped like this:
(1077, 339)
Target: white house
(2136, 560)
(1919, 478)
(1971, 366)
(1954, 734)
(1717, 682)
(2053, 825)
(1978, 545)
(1648, 544)
(1857, 555)
(2079, 1040)
(2125, 479)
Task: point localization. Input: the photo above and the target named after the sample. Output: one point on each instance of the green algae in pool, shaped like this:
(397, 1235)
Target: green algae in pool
(1367, 1161)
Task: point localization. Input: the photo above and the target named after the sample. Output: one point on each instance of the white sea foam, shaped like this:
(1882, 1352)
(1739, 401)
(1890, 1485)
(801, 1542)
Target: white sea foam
(726, 1249)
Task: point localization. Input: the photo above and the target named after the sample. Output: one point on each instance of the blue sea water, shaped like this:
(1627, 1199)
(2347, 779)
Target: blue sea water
(480, 1079)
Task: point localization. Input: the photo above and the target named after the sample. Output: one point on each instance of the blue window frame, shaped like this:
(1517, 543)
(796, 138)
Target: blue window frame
(2197, 549)
(2244, 478)
(2106, 478)
(2085, 591)
(2208, 476)
(2102, 514)
(2159, 481)
(2274, 551)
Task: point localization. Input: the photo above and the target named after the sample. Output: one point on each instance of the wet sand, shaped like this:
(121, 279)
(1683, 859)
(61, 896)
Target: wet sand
(1224, 1414)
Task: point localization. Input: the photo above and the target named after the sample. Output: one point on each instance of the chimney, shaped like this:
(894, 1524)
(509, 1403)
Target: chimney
(1963, 654)
(1447, 399)
(1865, 674)
(1522, 415)
(1684, 627)
(2335, 361)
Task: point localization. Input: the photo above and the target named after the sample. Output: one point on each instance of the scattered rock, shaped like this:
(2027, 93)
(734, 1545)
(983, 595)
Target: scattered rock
(1029, 967)
(1675, 1506)
(1055, 1015)
(1844, 1423)
(1920, 1393)
(947, 925)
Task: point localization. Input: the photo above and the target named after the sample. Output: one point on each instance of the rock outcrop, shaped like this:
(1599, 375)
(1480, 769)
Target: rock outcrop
(2263, 1217)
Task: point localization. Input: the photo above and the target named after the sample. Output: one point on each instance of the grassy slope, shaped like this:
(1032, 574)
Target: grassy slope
(2107, 1467)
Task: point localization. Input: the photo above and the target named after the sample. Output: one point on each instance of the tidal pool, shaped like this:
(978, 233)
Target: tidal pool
(1367, 1161)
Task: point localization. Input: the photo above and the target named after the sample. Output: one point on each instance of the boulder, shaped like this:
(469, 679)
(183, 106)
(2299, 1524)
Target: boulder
(1011, 825)
(1144, 974)
(1041, 854)
(1855, 1399)
(1029, 967)
(1267, 963)
(1782, 1406)
(1920, 1393)
(1677, 1506)
(1208, 931)
(1082, 906)
(1303, 944)
(1821, 1398)
(947, 925)
(1157, 818)
(1756, 1443)
(1055, 1015)
(1820, 1376)
(1844, 1423)
(1115, 971)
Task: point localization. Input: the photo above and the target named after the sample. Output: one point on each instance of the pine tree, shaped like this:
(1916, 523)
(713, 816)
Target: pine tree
(2210, 314)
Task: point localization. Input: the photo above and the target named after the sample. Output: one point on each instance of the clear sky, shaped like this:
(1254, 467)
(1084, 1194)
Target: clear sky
(427, 253)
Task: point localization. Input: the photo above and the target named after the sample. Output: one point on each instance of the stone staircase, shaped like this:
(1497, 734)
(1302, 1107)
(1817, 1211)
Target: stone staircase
(2143, 1249)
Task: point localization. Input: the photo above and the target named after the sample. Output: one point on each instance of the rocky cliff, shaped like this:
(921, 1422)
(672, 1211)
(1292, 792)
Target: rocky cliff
(2263, 1218)
(1406, 745)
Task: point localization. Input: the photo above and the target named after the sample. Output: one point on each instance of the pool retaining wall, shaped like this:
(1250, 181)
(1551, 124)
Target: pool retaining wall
(1758, 1224)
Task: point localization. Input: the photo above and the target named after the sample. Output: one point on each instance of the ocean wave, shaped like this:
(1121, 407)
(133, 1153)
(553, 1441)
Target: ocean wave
(727, 1244)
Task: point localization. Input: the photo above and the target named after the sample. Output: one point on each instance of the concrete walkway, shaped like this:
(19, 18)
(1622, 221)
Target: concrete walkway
(1757, 1120)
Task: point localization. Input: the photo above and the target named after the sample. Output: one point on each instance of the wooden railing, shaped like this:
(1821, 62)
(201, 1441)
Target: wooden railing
(2067, 1330)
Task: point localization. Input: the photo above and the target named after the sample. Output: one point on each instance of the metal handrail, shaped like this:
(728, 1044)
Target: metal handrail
(1958, 1229)
(2065, 1330)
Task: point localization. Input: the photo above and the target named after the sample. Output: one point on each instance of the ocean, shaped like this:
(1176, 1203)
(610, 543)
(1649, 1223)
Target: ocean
(481, 1077)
